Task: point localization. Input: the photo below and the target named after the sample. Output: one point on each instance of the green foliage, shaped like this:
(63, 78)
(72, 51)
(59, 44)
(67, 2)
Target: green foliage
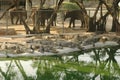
(69, 6)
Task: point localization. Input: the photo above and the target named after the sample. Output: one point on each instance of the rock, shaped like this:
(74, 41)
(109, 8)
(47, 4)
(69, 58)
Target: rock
(18, 49)
(100, 45)
(91, 40)
(54, 51)
(46, 42)
(103, 39)
(30, 49)
(76, 38)
(4, 45)
(116, 39)
(41, 49)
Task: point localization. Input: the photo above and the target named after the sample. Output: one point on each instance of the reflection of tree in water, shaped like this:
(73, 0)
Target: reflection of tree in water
(22, 71)
(108, 68)
(45, 70)
(70, 68)
(56, 70)
(10, 73)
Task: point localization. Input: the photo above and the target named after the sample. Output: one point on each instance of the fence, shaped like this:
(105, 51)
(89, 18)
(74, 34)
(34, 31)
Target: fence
(5, 22)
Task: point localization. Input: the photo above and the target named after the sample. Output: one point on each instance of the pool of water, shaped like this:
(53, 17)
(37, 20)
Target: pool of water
(100, 64)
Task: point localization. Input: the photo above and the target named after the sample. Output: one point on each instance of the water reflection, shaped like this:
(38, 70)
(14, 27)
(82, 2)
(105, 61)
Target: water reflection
(98, 64)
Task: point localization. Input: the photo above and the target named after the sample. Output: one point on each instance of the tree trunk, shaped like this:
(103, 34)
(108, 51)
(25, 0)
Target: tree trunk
(84, 11)
(101, 23)
(14, 3)
(92, 24)
(52, 17)
(42, 2)
(36, 28)
(113, 26)
(92, 21)
(28, 31)
(114, 13)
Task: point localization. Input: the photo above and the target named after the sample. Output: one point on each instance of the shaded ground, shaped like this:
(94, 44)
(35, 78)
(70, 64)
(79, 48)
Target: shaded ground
(6, 28)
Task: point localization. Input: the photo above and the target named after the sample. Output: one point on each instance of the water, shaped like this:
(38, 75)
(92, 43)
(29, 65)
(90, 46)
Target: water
(99, 64)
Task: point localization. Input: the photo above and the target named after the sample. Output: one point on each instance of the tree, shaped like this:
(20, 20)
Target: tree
(100, 24)
(90, 22)
(53, 15)
(114, 11)
(36, 28)
(14, 3)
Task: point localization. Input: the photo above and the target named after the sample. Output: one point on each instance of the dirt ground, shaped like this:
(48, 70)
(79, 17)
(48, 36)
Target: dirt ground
(7, 29)
(20, 30)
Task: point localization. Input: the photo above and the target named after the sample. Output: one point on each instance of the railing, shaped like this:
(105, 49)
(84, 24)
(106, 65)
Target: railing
(6, 21)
